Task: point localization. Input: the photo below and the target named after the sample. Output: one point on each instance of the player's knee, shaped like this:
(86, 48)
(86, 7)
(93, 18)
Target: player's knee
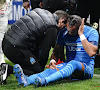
(73, 62)
(76, 64)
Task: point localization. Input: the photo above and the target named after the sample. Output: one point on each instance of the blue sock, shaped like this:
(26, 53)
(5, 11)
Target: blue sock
(43, 74)
(32, 78)
(65, 72)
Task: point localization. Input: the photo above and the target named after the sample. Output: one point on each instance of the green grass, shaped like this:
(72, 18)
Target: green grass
(90, 84)
(97, 70)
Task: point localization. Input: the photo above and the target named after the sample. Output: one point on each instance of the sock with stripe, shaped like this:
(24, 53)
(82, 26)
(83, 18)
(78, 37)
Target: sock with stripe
(65, 72)
(45, 73)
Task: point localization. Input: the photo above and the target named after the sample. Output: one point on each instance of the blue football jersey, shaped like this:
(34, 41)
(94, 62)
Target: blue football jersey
(74, 48)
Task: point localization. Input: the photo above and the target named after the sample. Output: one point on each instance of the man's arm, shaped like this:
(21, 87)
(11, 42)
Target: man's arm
(49, 41)
(88, 47)
(58, 53)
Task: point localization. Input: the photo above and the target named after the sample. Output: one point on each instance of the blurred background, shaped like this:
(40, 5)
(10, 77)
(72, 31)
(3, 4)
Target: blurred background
(17, 11)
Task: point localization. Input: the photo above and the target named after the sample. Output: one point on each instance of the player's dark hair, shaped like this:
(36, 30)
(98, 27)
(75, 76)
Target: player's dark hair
(74, 20)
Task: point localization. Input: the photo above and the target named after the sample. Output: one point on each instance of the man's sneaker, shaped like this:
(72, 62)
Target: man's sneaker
(40, 82)
(3, 73)
(21, 78)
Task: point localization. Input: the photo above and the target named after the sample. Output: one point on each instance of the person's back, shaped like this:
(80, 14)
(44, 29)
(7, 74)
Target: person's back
(30, 27)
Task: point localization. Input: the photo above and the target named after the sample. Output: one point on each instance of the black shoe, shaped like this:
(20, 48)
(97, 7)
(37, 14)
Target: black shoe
(3, 73)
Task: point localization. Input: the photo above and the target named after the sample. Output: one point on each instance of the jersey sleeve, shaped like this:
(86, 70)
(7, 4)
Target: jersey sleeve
(94, 37)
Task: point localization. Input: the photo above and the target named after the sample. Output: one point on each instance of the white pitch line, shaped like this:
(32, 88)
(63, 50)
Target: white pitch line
(96, 75)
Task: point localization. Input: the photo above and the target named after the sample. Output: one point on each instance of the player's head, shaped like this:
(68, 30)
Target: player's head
(73, 24)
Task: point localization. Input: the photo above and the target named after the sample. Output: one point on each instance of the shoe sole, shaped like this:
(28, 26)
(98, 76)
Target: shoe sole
(18, 73)
(40, 82)
(37, 82)
(4, 76)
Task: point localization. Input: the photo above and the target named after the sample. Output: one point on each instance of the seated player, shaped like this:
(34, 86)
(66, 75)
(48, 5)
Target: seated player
(81, 43)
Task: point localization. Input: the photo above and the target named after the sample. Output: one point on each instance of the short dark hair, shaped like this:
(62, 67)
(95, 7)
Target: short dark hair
(74, 20)
(62, 14)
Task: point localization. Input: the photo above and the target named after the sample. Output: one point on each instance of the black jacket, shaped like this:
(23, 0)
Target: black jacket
(30, 29)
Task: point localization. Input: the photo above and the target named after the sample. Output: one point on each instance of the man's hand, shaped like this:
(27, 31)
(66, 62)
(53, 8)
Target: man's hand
(26, 5)
(81, 28)
(61, 24)
(53, 65)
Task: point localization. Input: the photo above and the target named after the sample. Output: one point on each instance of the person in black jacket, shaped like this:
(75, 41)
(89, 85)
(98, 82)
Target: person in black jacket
(30, 39)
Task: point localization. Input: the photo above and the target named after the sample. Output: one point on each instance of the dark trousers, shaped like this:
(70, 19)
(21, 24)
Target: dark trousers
(21, 57)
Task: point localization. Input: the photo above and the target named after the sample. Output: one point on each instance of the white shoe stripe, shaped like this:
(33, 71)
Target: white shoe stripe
(5, 74)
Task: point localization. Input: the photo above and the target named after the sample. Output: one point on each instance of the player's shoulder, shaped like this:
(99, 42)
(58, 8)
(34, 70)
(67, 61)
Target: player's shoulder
(88, 29)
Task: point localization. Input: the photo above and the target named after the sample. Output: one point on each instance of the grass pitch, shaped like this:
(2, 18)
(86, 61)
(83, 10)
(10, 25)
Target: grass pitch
(90, 84)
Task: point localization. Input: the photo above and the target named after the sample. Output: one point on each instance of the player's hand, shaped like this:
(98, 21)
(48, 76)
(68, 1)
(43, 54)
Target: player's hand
(26, 5)
(53, 66)
(61, 24)
(81, 28)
